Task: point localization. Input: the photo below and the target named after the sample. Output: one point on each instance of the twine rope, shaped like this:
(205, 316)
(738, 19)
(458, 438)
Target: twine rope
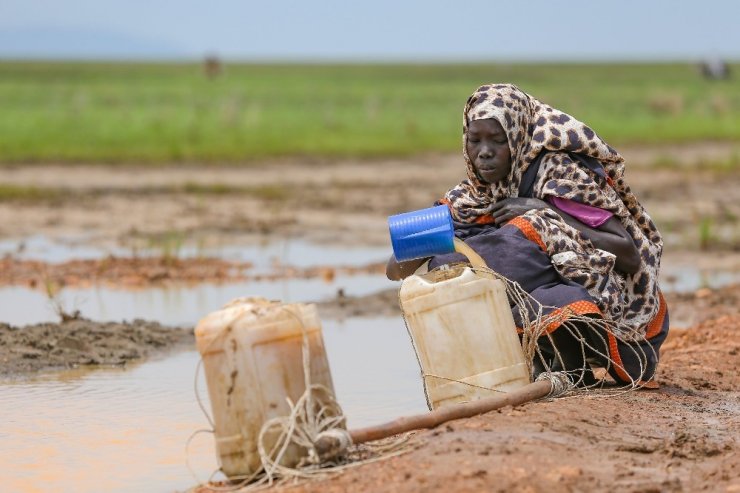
(316, 411)
(535, 323)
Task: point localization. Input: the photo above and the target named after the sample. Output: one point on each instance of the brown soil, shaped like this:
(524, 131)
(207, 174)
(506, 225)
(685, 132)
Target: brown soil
(682, 437)
(343, 202)
(80, 342)
(132, 273)
(704, 304)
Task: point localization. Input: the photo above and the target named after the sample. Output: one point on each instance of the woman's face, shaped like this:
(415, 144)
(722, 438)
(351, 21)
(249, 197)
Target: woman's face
(488, 149)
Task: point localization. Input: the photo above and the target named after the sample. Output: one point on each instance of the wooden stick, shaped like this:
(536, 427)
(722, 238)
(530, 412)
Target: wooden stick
(431, 419)
(329, 445)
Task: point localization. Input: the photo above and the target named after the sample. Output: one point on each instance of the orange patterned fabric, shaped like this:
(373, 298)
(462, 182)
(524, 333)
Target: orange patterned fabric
(525, 227)
(617, 359)
(656, 324)
(556, 318)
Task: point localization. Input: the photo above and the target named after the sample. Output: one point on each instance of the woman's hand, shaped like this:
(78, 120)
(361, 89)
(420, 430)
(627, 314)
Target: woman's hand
(610, 236)
(505, 210)
(395, 270)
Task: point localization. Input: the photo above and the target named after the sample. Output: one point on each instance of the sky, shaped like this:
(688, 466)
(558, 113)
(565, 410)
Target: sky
(378, 30)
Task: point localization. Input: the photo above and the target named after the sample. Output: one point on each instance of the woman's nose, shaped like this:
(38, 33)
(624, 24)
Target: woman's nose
(485, 152)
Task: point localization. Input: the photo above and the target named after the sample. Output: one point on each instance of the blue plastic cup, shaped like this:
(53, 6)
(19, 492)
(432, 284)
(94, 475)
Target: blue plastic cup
(422, 233)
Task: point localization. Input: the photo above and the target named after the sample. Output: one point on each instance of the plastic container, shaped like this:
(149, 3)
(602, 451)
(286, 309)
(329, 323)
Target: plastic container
(463, 333)
(252, 357)
(422, 233)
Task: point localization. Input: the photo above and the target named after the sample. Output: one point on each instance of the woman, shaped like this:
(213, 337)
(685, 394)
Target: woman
(546, 205)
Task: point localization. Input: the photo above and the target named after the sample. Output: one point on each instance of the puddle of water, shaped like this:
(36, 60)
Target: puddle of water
(297, 253)
(125, 430)
(185, 305)
(374, 369)
(302, 254)
(688, 279)
(294, 252)
(39, 247)
(177, 305)
(111, 430)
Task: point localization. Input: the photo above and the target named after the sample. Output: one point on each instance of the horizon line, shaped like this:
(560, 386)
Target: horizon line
(185, 60)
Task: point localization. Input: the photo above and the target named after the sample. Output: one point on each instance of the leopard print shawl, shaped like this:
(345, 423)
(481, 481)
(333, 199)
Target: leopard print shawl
(531, 128)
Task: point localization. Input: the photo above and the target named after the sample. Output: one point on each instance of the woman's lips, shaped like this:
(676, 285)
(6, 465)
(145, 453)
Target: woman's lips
(486, 165)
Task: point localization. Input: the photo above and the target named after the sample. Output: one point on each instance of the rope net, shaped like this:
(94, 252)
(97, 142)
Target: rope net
(316, 413)
(566, 357)
(562, 341)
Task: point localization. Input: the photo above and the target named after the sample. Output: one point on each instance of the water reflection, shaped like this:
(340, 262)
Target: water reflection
(183, 305)
(262, 254)
(110, 430)
(683, 279)
(125, 429)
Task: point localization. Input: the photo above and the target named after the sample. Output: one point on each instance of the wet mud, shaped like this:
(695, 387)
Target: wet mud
(681, 437)
(133, 273)
(80, 342)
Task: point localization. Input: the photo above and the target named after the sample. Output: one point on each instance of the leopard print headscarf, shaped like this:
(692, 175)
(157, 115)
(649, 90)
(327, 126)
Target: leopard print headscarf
(532, 127)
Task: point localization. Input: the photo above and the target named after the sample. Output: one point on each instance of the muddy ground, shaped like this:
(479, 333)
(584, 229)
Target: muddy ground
(693, 200)
(143, 272)
(682, 437)
(80, 342)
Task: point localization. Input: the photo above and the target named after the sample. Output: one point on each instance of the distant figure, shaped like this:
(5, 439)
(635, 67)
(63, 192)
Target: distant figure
(715, 69)
(212, 66)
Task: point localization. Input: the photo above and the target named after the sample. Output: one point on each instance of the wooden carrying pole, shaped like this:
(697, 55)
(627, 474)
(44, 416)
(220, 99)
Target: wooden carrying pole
(431, 419)
(330, 445)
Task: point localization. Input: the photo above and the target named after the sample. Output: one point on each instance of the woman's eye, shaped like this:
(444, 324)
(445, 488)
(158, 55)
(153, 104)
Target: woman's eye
(474, 141)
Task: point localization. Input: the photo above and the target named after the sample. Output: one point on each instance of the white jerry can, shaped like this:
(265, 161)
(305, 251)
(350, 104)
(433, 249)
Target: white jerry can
(463, 333)
(252, 357)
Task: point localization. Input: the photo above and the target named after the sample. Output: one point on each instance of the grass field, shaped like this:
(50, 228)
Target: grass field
(94, 112)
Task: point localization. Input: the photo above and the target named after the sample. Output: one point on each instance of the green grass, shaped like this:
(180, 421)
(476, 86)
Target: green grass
(267, 192)
(22, 193)
(729, 165)
(95, 112)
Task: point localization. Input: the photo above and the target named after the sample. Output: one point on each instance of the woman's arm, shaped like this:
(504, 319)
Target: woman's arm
(610, 236)
(395, 270)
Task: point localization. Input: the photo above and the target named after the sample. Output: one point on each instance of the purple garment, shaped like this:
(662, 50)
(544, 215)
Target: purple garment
(588, 215)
